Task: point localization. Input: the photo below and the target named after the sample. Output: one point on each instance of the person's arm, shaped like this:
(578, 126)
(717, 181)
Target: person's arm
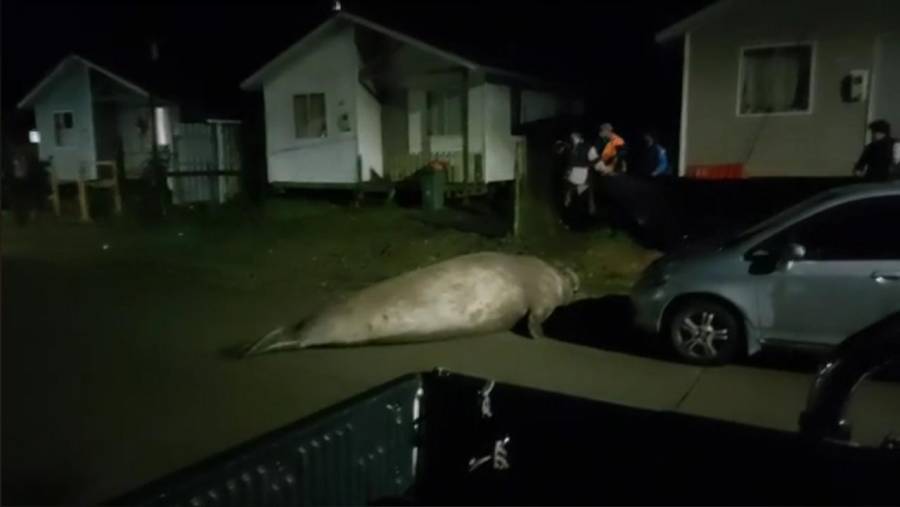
(620, 162)
(662, 166)
(864, 160)
(596, 160)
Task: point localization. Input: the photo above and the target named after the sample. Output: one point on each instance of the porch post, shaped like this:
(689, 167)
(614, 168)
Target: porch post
(464, 102)
(54, 192)
(220, 157)
(83, 197)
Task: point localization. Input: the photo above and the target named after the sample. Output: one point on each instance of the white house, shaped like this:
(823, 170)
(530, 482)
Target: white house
(354, 100)
(87, 114)
(785, 89)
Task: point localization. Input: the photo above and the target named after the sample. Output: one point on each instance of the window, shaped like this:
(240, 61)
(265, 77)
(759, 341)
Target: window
(444, 113)
(860, 230)
(309, 115)
(775, 80)
(63, 125)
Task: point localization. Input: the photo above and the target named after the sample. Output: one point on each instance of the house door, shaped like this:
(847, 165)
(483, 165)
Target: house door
(886, 84)
(106, 131)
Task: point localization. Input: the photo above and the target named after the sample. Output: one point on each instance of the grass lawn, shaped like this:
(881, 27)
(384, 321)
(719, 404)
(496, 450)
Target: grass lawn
(312, 243)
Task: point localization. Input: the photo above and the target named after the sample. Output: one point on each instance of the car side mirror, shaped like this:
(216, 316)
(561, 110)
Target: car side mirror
(792, 253)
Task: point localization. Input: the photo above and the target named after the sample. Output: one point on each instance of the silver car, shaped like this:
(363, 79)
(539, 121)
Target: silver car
(809, 276)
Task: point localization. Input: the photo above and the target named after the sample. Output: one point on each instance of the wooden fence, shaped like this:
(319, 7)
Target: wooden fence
(206, 164)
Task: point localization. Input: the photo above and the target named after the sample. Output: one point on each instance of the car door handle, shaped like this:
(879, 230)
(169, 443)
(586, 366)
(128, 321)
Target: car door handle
(885, 277)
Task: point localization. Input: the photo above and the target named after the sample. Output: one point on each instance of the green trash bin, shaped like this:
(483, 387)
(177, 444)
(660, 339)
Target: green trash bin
(433, 182)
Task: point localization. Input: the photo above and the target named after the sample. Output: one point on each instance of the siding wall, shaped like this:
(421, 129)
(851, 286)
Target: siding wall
(476, 119)
(499, 154)
(886, 88)
(395, 135)
(70, 92)
(136, 147)
(369, 128)
(329, 66)
(823, 143)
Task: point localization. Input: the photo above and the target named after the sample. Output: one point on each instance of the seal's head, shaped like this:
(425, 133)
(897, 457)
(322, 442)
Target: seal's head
(571, 281)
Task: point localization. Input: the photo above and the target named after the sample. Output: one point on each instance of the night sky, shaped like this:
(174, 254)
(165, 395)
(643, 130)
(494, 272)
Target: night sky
(605, 48)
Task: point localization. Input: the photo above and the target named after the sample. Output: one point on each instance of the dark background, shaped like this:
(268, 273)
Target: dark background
(604, 48)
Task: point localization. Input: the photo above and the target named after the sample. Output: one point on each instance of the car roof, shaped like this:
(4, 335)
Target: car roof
(819, 202)
(867, 189)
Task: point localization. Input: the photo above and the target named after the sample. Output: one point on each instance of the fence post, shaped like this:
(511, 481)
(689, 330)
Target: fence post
(83, 198)
(54, 193)
(117, 191)
(518, 182)
(213, 186)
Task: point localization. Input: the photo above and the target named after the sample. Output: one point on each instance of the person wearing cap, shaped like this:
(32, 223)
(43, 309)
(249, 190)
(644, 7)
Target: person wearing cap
(609, 151)
(607, 158)
(880, 159)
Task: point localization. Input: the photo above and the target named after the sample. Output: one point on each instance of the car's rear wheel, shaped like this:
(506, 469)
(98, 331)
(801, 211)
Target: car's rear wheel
(705, 331)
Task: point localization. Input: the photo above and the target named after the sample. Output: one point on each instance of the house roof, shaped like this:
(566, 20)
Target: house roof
(193, 103)
(256, 80)
(64, 65)
(693, 21)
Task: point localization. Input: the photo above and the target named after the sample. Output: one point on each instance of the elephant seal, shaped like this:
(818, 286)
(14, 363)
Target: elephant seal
(467, 295)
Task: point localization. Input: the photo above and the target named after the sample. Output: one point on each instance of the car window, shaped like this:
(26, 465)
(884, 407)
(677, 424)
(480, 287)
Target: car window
(866, 229)
(783, 216)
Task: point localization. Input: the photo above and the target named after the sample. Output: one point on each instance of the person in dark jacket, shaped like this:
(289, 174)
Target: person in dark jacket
(578, 173)
(878, 161)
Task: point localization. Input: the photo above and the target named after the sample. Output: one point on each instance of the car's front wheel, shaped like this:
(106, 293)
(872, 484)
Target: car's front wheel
(705, 331)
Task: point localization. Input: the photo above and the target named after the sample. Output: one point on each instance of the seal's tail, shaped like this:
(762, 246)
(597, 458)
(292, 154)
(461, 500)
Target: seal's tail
(282, 338)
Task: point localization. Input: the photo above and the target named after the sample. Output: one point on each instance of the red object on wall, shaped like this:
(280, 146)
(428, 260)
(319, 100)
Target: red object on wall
(716, 171)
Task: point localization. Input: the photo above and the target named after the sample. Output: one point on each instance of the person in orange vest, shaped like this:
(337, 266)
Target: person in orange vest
(608, 159)
(609, 152)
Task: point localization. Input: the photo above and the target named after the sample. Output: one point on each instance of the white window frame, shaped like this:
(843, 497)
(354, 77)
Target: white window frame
(56, 144)
(309, 96)
(812, 78)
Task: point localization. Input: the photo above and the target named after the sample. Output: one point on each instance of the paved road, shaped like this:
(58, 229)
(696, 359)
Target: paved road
(112, 377)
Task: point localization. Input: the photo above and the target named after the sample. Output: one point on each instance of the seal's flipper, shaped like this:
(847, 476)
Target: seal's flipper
(281, 338)
(536, 325)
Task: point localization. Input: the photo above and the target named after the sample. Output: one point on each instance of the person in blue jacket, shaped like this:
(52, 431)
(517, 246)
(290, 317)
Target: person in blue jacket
(654, 161)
